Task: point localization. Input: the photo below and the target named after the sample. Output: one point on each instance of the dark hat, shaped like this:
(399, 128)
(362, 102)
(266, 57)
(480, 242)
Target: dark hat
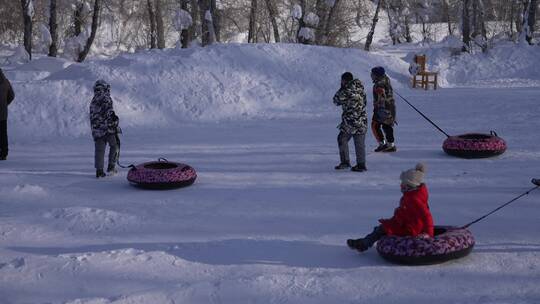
(378, 71)
(102, 85)
(347, 76)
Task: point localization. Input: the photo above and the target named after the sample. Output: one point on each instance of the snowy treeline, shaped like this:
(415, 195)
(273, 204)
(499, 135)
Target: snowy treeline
(76, 26)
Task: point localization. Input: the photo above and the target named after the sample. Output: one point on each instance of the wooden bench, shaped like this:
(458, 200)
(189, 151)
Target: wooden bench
(423, 77)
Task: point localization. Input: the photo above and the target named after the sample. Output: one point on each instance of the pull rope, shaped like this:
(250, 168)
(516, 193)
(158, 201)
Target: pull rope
(502, 206)
(425, 117)
(131, 166)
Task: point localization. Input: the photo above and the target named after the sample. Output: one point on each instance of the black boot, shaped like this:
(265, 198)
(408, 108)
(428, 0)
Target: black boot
(390, 147)
(111, 170)
(357, 244)
(382, 146)
(360, 167)
(342, 166)
(100, 173)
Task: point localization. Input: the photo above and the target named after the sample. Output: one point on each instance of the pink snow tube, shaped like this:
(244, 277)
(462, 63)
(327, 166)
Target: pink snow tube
(474, 145)
(448, 243)
(161, 174)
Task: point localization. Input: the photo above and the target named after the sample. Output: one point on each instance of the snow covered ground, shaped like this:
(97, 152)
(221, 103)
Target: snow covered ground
(267, 219)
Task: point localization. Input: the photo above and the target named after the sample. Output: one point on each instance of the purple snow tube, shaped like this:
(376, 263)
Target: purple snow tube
(474, 145)
(448, 243)
(161, 174)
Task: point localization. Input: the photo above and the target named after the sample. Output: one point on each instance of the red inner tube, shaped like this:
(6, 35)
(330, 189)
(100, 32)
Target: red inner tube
(474, 145)
(448, 243)
(162, 175)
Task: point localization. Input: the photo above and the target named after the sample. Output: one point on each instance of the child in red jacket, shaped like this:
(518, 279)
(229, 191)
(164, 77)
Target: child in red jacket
(411, 218)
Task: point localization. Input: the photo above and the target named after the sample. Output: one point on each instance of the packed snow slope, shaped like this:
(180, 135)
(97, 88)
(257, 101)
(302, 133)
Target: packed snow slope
(267, 219)
(166, 88)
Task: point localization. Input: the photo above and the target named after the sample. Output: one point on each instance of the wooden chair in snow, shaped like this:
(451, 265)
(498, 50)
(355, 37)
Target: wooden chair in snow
(420, 75)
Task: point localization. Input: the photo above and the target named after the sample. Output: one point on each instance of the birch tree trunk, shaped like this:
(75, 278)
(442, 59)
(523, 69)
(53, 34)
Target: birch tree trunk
(369, 38)
(531, 20)
(465, 26)
(252, 22)
(53, 29)
(195, 28)
(447, 16)
(78, 19)
(330, 22)
(186, 34)
(159, 25)
(272, 14)
(320, 9)
(482, 31)
(90, 40)
(27, 19)
(152, 17)
(216, 21)
(207, 26)
(301, 23)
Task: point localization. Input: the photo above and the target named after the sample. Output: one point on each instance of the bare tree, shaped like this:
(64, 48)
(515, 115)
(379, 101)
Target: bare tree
(369, 38)
(301, 24)
(272, 14)
(252, 22)
(216, 20)
(53, 29)
(465, 26)
(207, 22)
(90, 40)
(195, 27)
(159, 25)
(330, 20)
(152, 17)
(27, 9)
(78, 18)
(531, 21)
(446, 12)
(187, 34)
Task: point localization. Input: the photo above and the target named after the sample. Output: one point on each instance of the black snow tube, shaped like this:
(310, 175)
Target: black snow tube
(449, 243)
(474, 145)
(161, 175)
(536, 181)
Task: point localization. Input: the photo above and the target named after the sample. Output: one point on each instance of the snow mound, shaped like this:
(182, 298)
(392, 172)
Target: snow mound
(84, 219)
(29, 190)
(506, 65)
(158, 88)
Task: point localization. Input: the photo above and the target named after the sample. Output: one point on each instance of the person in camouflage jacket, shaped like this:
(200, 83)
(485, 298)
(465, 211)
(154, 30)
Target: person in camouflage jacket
(352, 98)
(384, 111)
(104, 123)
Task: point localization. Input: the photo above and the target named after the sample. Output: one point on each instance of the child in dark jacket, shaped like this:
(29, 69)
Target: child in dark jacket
(384, 111)
(104, 123)
(411, 218)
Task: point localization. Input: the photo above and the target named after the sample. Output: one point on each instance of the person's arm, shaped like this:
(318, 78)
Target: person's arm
(380, 96)
(11, 94)
(341, 97)
(394, 225)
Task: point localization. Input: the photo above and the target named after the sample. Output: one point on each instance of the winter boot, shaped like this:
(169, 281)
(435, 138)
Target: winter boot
(390, 147)
(342, 166)
(111, 170)
(357, 244)
(381, 147)
(100, 173)
(361, 167)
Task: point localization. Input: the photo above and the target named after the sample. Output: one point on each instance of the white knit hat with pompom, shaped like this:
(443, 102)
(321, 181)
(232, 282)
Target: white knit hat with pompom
(413, 177)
